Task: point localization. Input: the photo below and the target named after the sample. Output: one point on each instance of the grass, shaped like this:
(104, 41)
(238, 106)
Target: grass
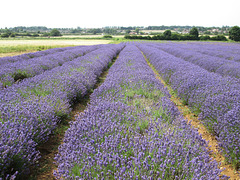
(26, 48)
(17, 46)
(13, 47)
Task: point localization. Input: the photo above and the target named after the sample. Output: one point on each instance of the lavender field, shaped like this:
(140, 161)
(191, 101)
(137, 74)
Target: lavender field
(130, 128)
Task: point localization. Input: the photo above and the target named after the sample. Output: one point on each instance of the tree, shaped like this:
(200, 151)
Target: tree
(109, 31)
(194, 32)
(128, 31)
(167, 34)
(107, 36)
(175, 36)
(55, 32)
(6, 33)
(12, 35)
(137, 30)
(234, 33)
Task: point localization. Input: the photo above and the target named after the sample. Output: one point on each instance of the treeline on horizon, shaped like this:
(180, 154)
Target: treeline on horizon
(114, 29)
(178, 37)
(179, 32)
(234, 34)
(44, 28)
(168, 35)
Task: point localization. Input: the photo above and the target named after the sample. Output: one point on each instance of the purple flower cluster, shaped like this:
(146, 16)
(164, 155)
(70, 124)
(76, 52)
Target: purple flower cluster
(21, 67)
(132, 130)
(215, 98)
(212, 63)
(31, 109)
(22, 57)
(229, 51)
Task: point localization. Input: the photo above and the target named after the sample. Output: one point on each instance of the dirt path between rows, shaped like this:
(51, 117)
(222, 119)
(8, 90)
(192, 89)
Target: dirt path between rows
(193, 120)
(49, 149)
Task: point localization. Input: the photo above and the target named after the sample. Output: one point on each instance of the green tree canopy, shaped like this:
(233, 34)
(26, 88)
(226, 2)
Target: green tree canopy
(137, 30)
(6, 33)
(234, 33)
(128, 31)
(55, 32)
(194, 32)
(167, 34)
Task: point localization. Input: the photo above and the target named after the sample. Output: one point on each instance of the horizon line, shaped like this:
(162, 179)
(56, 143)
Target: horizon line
(117, 26)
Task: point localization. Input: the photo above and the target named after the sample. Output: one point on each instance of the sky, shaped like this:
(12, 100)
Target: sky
(101, 13)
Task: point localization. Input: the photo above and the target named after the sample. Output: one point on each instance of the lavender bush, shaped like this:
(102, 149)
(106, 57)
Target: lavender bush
(229, 51)
(22, 57)
(20, 69)
(215, 64)
(132, 130)
(215, 98)
(30, 110)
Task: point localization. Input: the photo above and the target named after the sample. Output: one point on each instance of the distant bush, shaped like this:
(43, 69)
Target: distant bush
(218, 38)
(46, 34)
(176, 36)
(12, 35)
(188, 37)
(55, 32)
(158, 37)
(137, 37)
(207, 32)
(5, 35)
(234, 33)
(204, 38)
(35, 35)
(194, 32)
(127, 36)
(107, 36)
(28, 34)
(167, 34)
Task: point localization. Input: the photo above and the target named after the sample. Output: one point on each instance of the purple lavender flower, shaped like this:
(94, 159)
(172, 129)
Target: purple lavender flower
(132, 130)
(214, 97)
(22, 68)
(31, 109)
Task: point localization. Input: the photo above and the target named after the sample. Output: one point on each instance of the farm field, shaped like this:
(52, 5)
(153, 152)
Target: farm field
(131, 128)
(90, 36)
(19, 46)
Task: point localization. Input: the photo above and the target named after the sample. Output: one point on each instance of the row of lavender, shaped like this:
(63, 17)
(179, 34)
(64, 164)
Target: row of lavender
(30, 110)
(229, 51)
(132, 130)
(24, 68)
(215, 98)
(190, 52)
(26, 56)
